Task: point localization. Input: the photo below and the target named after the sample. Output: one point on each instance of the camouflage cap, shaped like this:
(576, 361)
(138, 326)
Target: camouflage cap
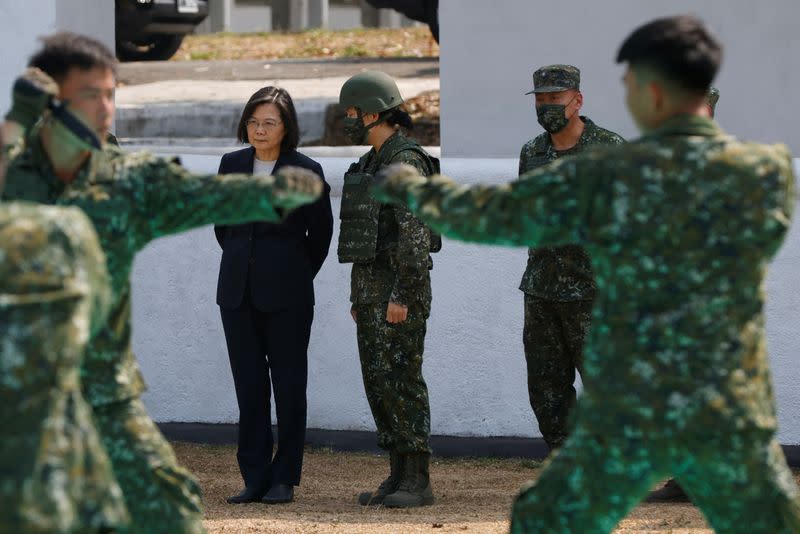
(554, 78)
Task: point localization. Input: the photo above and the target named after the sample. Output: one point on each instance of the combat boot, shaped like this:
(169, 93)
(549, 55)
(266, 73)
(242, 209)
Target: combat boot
(374, 498)
(415, 488)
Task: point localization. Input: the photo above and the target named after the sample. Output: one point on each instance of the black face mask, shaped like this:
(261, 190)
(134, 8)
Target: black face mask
(356, 131)
(553, 117)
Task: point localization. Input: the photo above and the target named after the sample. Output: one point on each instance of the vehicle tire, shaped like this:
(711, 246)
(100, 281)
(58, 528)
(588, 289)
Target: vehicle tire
(155, 48)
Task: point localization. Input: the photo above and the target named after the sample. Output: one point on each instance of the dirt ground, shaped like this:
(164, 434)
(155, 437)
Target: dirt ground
(472, 495)
(400, 42)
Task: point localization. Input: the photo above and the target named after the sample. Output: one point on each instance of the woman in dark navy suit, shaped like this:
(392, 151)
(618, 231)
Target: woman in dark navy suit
(266, 298)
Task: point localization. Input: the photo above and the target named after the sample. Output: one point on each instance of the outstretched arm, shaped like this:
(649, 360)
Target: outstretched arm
(176, 200)
(548, 206)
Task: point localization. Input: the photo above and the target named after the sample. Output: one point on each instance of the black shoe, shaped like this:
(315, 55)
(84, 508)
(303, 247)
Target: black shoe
(247, 495)
(279, 493)
(671, 492)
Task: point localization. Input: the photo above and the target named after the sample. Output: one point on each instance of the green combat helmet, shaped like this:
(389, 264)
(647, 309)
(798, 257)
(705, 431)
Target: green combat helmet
(711, 99)
(371, 91)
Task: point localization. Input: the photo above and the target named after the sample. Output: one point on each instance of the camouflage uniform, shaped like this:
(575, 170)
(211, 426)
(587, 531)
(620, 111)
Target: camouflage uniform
(54, 290)
(559, 291)
(680, 225)
(133, 199)
(391, 354)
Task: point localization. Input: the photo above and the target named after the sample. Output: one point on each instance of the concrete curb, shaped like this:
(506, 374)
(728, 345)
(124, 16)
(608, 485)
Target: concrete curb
(361, 441)
(215, 146)
(211, 108)
(209, 119)
(286, 69)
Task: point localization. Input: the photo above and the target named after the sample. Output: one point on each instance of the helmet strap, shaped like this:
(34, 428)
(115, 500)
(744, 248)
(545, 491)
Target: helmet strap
(381, 119)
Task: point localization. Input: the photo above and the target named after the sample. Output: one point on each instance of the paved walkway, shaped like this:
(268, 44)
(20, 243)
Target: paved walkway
(204, 99)
(196, 91)
(151, 71)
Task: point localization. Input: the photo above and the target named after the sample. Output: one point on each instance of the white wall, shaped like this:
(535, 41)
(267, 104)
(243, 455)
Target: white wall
(94, 18)
(474, 363)
(23, 22)
(473, 349)
(18, 33)
(490, 49)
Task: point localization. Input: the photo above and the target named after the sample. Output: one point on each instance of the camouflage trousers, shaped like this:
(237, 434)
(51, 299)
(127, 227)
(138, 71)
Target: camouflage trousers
(55, 475)
(738, 479)
(553, 338)
(161, 496)
(391, 366)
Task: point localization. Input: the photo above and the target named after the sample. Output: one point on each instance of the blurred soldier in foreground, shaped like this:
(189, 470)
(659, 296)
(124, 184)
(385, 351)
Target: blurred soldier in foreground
(133, 199)
(672, 491)
(680, 226)
(558, 282)
(54, 291)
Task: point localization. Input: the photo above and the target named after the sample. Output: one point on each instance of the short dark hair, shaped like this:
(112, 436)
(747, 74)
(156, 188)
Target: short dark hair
(281, 99)
(681, 49)
(65, 50)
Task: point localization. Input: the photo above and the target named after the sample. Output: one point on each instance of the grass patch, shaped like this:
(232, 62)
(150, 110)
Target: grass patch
(311, 44)
(354, 51)
(202, 56)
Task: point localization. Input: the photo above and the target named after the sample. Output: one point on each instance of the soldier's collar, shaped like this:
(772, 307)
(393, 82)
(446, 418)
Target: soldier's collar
(686, 125)
(395, 137)
(547, 146)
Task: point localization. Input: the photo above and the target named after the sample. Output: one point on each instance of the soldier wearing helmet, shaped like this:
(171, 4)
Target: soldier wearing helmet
(390, 287)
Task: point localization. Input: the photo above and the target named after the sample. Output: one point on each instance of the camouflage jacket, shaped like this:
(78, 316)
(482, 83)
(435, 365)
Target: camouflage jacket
(560, 273)
(400, 272)
(132, 199)
(680, 225)
(54, 290)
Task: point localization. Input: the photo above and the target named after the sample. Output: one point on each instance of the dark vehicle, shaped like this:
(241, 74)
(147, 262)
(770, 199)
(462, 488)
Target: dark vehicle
(151, 30)
(426, 11)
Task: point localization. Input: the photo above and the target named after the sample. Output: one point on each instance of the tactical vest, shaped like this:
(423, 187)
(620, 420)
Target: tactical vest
(359, 214)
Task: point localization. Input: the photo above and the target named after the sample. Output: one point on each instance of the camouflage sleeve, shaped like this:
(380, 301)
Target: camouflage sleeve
(523, 159)
(547, 206)
(13, 141)
(413, 244)
(175, 200)
(779, 184)
(92, 264)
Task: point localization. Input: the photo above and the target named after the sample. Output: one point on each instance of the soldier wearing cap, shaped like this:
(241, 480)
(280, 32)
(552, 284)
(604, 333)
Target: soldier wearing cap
(558, 283)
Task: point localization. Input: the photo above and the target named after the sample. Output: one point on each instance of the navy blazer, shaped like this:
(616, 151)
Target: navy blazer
(280, 260)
